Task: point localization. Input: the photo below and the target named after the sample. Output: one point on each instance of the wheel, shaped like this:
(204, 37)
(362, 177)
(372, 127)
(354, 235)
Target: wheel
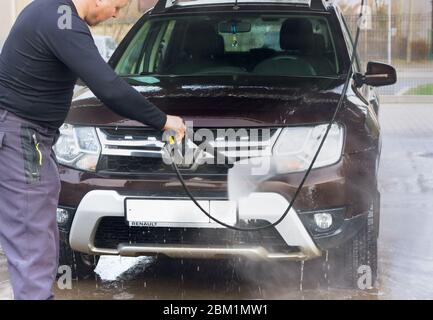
(354, 265)
(82, 265)
(376, 208)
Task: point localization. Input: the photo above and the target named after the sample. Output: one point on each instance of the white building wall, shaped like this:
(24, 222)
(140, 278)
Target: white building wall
(9, 10)
(7, 16)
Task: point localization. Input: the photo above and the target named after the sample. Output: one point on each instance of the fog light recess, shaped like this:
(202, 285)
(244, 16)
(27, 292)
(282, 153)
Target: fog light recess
(62, 216)
(323, 220)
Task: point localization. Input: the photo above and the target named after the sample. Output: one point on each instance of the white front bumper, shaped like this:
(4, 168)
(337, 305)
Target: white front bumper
(261, 206)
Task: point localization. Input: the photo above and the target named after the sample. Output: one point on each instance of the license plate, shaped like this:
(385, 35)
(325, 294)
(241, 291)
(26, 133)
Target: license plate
(154, 213)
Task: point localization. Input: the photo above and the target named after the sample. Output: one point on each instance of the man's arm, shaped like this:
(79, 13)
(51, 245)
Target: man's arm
(76, 49)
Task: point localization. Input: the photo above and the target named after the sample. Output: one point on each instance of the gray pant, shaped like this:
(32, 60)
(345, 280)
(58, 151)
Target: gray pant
(29, 193)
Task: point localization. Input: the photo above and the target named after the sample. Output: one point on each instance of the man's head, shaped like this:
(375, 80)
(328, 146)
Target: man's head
(97, 11)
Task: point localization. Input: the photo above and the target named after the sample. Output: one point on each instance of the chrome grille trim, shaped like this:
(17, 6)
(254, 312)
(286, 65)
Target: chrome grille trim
(130, 147)
(233, 144)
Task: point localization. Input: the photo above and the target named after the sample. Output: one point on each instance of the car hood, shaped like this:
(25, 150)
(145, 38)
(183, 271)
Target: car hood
(215, 106)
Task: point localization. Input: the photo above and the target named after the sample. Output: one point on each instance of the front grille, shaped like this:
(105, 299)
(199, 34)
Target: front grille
(113, 230)
(131, 134)
(130, 164)
(139, 165)
(140, 151)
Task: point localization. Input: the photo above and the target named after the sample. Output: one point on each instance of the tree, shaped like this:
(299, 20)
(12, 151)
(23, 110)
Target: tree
(431, 31)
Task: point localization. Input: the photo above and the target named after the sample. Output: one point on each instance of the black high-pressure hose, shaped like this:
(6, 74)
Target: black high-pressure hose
(340, 103)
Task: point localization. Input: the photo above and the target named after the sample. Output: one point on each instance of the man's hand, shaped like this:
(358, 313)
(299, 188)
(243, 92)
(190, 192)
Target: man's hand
(177, 125)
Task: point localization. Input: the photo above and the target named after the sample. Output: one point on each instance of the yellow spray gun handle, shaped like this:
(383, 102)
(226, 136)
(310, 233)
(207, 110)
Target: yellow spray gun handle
(171, 140)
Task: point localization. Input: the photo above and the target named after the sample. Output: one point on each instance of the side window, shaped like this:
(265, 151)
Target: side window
(158, 52)
(146, 59)
(128, 63)
(147, 50)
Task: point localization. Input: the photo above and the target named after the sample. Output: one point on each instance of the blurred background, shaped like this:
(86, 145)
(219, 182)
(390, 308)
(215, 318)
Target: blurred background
(398, 32)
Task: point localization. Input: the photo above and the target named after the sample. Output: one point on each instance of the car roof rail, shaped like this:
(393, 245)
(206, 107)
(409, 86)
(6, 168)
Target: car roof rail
(161, 5)
(321, 5)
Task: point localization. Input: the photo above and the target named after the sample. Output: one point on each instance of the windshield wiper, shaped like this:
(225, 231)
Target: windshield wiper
(146, 73)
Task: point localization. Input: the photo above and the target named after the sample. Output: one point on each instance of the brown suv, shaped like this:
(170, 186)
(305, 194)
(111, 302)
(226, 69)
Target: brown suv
(272, 69)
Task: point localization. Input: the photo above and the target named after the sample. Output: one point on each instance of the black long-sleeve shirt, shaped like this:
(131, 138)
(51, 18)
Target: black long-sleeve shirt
(42, 60)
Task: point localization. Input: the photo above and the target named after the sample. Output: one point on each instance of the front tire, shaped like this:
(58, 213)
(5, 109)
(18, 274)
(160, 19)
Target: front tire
(82, 265)
(354, 264)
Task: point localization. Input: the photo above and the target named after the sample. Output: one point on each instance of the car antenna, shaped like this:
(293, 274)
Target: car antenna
(236, 5)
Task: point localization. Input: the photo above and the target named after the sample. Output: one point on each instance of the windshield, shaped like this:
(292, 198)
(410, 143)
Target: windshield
(245, 45)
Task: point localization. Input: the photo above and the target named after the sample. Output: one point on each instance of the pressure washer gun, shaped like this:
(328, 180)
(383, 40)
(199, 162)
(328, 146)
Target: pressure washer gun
(173, 147)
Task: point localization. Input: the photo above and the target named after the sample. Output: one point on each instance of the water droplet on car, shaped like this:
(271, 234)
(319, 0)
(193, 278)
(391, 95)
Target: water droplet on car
(301, 283)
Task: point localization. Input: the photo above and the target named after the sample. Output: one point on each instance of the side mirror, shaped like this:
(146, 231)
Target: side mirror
(377, 75)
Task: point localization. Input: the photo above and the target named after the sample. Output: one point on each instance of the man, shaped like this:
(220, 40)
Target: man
(39, 65)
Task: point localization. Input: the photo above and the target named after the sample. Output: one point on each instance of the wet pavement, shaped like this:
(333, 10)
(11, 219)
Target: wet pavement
(405, 243)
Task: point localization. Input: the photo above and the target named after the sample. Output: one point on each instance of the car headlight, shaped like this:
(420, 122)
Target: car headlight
(296, 147)
(78, 147)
